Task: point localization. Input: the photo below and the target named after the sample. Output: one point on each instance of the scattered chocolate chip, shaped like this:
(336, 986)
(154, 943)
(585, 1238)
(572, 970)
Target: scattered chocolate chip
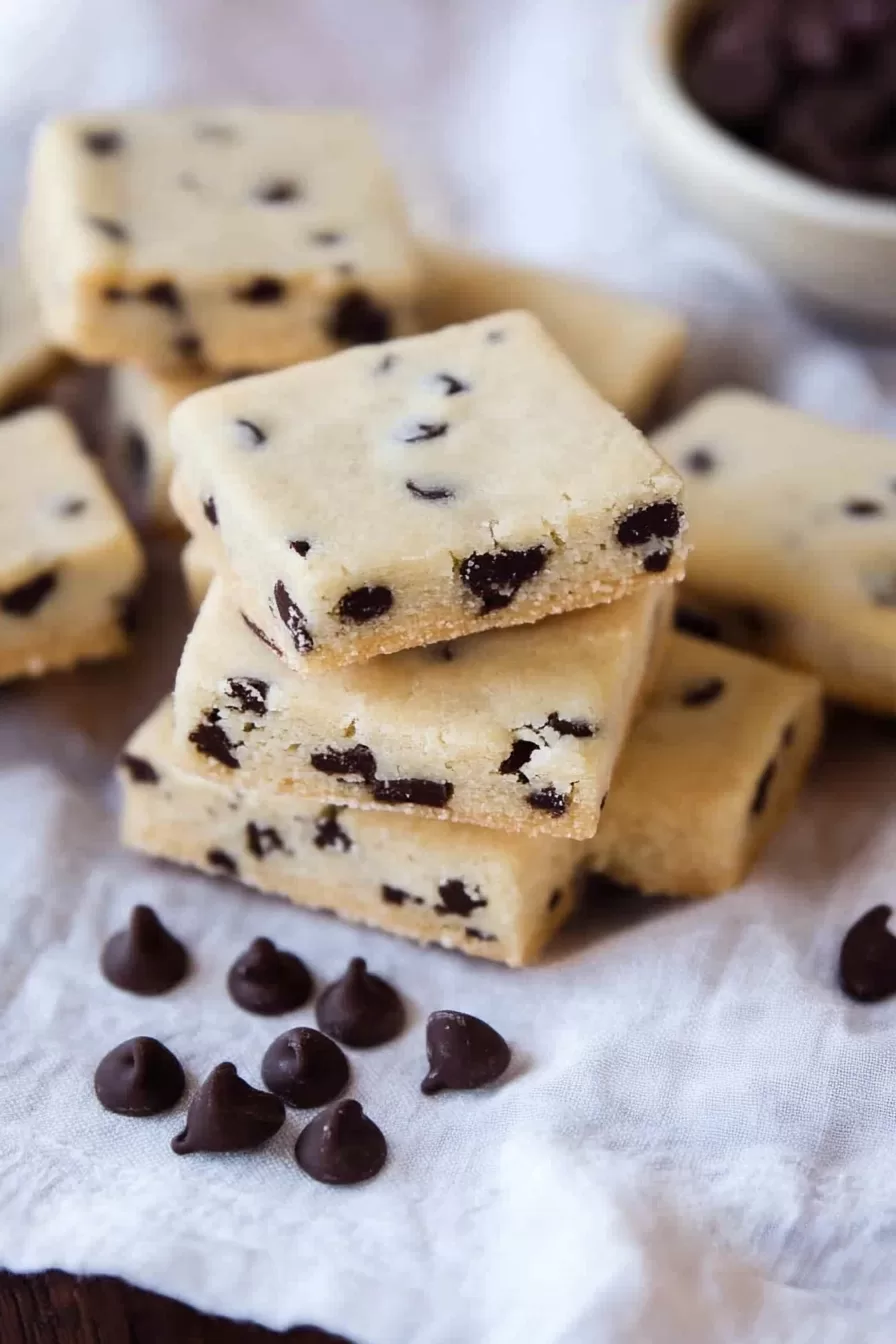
(448, 385)
(227, 1116)
(868, 958)
(72, 507)
(260, 634)
(188, 346)
(326, 237)
(432, 492)
(495, 577)
(278, 191)
(293, 618)
(249, 434)
(456, 900)
(649, 522)
(570, 727)
(518, 758)
(301, 547)
(422, 792)
(657, 562)
(144, 958)
(760, 797)
(549, 800)
(139, 1077)
(421, 431)
(396, 896)
(250, 693)
(140, 770)
(697, 623)
(268, 981)
(222, 862)
(210, 509)
(699, 461)
(27, 597)
(364, 604)
(262, 290)
(356, 320)
(304, 1068)
(164, 294)
(263, 840)
(214, 130)
(863, 508)
(702, 692)
(341, 1146)
(210, 739)
(555, 899)
(478, 936)
(463, 1053)
(110, 228)
(102, 143)
(386, 364)
(360, 1009)
(358, 760)
(328, 834)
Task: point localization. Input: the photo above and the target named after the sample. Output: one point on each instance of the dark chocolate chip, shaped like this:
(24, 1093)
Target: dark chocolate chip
(304, 1068)
(260, 634)
(268, 981)
(139, 1077)
(144, 958)
(250, 693)
(103, 143)
(422, 792)
(328, 834)
(702, 692)
(364, 604)
(478, 936)
(27, 597)
(463, 1053)
(495, 577)
(697, 623)
(109, 228)
(293, 618)
(278, 191)
(72, 507)
(358, 760)
(549, 800)
(210, 509)
(699, 461)
(456, 900)
(356, 320)
(214, 130)
(868, 958)
(431, 492)
(263, 840)
(249, 434)
(649, 522)
(227, 1116)
(325, 237)
(760, 797)
(570, 727)
(222, 862)
(518, 757)
(341, 1146)
(210, 739)
(301, 547)
(863, 508)
(262, 290)
(396, 896)
(163, 294)
(421, 431)
(360, 1009)
(555, 899)
(657, 562)
(188, 346)
(140, 770)
(450, 386)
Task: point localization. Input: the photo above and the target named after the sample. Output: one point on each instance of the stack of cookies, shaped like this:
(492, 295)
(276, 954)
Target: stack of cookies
(431, 683)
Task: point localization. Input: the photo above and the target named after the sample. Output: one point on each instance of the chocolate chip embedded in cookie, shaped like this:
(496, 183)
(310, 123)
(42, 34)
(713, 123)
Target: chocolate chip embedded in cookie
(495, 577)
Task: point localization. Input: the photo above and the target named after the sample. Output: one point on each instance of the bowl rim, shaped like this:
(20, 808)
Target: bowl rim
(650, 59)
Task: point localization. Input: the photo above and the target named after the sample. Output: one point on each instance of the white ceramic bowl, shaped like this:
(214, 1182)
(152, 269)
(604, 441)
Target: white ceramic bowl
(833, 247)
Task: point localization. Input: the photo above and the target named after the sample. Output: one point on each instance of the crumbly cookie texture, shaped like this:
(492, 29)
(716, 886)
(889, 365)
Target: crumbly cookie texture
(627, 349)
(137, 451)
(69, 562)
(713, 765)
(28, 359)
(438, 486)
(486, 893)
(793, 523)
(238, 238)
(515, 729)
(198, 570)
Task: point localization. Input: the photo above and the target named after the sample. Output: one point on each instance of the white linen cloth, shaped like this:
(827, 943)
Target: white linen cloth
(696, 1142)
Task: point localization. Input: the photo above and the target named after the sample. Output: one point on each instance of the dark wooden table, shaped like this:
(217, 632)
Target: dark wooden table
(56, 1308)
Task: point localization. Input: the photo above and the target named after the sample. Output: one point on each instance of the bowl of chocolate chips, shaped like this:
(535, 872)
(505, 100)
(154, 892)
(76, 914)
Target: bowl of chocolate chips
(776, 120)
